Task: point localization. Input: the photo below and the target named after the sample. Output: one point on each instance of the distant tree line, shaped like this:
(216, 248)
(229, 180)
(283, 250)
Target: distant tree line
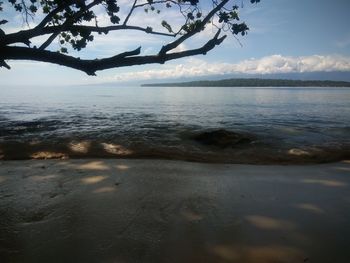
(254, 82)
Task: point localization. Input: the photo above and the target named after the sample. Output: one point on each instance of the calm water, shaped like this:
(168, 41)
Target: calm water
(167, 116)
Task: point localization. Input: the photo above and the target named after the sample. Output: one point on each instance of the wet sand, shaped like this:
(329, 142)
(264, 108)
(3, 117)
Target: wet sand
(111, 210)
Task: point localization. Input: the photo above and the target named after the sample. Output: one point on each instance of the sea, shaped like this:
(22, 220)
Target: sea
(294, 124)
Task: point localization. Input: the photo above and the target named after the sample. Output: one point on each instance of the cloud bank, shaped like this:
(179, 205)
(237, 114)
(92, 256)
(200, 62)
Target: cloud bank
(267, 65)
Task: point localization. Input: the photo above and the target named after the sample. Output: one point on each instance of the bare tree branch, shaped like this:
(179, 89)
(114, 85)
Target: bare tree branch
(91, 66)
(4, 64)
(131, 10)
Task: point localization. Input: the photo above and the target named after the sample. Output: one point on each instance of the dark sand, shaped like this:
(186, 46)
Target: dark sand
(173, 211)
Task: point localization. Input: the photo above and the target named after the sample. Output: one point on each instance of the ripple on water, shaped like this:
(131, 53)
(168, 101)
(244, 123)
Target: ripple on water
(282, 119)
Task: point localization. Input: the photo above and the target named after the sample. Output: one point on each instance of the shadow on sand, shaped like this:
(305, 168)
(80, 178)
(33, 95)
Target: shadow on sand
(171, 211)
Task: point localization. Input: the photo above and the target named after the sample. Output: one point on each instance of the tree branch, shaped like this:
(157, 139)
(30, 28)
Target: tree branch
(107, 29)
(159, 2)
(68, 23)
(24, 35)
(131, 10)
(4, 64)
(181, 39)
(90, 67)
(50, 16)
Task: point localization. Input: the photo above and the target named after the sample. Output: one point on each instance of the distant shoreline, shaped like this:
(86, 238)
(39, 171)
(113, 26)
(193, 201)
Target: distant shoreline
(253, 82)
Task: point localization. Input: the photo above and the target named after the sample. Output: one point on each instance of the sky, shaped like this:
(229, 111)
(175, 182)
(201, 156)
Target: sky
(286, 36)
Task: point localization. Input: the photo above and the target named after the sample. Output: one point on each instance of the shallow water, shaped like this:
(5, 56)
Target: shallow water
(165, 118)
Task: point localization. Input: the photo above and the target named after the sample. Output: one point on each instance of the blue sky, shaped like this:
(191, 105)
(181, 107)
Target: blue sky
(285, 36)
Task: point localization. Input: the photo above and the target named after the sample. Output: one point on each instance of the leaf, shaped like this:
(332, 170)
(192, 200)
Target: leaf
(167, 26)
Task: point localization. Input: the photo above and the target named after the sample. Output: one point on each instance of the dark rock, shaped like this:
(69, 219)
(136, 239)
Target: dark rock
(222, 138)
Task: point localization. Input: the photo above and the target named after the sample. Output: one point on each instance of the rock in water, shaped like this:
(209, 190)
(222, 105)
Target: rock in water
(222, 138)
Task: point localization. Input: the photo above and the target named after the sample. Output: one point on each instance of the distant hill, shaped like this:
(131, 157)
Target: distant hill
(253, 82)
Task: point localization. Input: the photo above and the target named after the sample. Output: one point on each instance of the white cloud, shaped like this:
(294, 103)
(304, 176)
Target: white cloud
(266, 65)
(190, 67)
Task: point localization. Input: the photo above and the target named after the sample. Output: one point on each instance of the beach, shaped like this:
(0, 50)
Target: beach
(185, 174)
(174, 131)
(118, 210)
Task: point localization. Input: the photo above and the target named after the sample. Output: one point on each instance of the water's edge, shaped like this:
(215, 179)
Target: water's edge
(289, 125)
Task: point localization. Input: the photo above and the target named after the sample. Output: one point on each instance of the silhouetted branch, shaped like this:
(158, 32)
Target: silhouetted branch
(69, 22)
(131, 10)
(72, 20)
(91, 66)
(24, 35)
(196, 30)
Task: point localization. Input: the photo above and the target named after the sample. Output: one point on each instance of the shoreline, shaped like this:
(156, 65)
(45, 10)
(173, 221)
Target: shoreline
(122, 210)
(240, 154)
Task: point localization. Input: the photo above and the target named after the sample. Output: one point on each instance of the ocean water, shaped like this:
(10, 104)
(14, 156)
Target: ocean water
(163, 120)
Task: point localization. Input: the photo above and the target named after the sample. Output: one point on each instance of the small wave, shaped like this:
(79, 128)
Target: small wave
(174, 149)
(22, 128)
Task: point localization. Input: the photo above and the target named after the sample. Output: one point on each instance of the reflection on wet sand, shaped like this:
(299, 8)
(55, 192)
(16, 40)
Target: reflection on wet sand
(259, 254)
(93, 179)
(2, 179)
(264, 222)
(330, 183)
(310, 207)
(343, 169)
(106, 189)
(43, 177)
(122, 167)
(94, 165)
(192, 216)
